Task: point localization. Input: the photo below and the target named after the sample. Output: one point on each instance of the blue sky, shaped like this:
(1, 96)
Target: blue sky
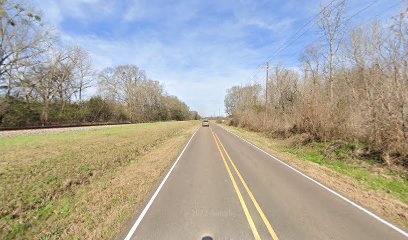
(196, 49)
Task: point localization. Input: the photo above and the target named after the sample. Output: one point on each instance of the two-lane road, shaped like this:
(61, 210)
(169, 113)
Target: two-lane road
(225, 188)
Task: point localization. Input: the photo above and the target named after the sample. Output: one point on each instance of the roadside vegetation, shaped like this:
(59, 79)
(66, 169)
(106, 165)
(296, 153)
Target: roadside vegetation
(350, 94)
(43, 81)
(342, 116)
(84, 184)
(339, 166)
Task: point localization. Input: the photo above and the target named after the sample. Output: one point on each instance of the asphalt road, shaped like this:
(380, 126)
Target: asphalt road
(224, 188)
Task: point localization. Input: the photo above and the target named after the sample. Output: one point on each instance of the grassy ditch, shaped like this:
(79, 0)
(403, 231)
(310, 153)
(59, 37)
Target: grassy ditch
(83, 185)
(378, 187)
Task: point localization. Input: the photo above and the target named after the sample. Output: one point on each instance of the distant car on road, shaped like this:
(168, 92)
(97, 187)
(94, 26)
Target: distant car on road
(206, 123)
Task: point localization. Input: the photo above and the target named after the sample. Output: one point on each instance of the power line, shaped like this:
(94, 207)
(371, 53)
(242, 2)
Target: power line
(368, 6)
(284, 46)
(362, 10)
(347, 20)
(383, 12)
(294, 35)
(288, 43)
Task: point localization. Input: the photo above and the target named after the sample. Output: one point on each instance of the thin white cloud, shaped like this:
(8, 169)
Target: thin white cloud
(56, 11)
(177, 11)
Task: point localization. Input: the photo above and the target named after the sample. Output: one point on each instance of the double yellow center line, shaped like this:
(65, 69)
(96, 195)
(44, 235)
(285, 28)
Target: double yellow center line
(241, 199)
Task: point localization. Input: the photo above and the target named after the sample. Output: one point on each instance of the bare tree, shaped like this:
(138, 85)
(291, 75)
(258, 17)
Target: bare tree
(240, 99)
(54, 79)
(399, 59)
(122, 84)
(312, 61)
(331, 23)
(144, 99)
(84, 73)
(22, 38)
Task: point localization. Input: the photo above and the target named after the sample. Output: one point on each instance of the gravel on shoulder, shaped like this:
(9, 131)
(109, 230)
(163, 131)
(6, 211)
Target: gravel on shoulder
(48, 131)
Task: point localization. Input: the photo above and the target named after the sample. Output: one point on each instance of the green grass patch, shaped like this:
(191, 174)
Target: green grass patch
(398, 187)
(45, 212)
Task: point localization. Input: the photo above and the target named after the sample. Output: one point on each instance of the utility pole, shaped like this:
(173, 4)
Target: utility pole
(266, 91)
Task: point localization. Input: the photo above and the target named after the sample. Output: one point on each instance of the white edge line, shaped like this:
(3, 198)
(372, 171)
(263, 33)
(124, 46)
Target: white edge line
(143, 213)
(325, 187)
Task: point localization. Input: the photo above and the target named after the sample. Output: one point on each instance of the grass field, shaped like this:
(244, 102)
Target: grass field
(366, 182)
(83, 185)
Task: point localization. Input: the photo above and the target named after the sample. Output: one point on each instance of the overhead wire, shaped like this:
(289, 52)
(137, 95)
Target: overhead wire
(296, 37)
(293, 35)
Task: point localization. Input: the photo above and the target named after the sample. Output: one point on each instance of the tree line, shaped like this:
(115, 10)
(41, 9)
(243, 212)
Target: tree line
(351, 85)
(42, 82)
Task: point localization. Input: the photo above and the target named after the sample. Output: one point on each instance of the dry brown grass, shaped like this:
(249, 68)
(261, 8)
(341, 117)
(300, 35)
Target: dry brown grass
(83, 185)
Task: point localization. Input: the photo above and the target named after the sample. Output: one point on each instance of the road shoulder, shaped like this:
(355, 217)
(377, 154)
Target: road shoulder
(378, 202)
